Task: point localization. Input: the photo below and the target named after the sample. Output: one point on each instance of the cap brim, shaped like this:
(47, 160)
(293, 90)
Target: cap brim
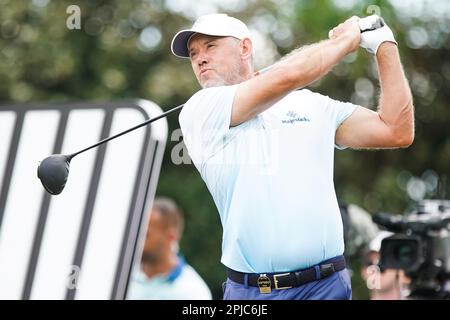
(179, 43)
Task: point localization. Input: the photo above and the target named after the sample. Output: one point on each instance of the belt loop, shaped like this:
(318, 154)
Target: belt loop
(297, 278)
(246, 280)
(317, 269)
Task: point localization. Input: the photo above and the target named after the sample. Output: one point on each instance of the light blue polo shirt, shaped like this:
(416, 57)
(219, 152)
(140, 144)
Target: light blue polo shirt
(271, 177)
(182, 283)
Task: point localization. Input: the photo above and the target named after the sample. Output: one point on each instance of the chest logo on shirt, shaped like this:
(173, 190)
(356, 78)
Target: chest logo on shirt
(292, 117)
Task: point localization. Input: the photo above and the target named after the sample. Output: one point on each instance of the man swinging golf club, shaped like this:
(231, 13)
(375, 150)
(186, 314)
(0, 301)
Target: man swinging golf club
(265, 150)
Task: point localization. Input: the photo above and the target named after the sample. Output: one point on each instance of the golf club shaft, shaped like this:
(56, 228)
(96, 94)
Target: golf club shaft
(162, 115)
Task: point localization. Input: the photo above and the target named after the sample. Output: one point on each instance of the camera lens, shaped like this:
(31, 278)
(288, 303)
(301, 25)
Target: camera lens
(405, 253)
(401, 252)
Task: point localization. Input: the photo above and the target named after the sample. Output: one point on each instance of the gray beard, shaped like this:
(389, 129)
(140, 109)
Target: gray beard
(222, 82)
(232, 77)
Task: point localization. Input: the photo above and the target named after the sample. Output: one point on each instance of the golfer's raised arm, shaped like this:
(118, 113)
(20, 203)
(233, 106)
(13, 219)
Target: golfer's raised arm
(396, 104)
(298, 69)
(392, 126)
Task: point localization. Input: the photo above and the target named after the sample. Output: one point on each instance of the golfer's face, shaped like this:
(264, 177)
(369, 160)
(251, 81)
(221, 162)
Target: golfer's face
(214, 59)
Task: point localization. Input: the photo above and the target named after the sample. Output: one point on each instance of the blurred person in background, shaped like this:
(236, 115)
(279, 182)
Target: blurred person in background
(163, 273)
(389, 284)
(359, 230)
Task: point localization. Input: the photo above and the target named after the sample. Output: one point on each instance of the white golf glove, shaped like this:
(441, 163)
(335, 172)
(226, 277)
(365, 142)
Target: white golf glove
(372, 39)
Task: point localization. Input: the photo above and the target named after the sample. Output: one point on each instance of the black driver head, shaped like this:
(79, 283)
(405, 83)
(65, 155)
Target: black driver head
(53, 172)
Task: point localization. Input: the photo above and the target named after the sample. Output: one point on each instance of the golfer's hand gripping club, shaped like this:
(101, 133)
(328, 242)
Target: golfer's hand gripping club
(347, 32)
(374, 31)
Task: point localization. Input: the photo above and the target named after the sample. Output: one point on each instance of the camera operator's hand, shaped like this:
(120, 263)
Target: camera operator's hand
(347, 31)
(371, 40)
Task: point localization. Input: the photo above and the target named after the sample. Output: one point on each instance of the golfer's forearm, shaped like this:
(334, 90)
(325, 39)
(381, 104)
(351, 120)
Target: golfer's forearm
(305, 65)
(297, 70)
(395, 105)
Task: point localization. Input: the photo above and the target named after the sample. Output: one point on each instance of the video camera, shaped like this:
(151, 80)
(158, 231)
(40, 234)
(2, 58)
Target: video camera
(420, 246)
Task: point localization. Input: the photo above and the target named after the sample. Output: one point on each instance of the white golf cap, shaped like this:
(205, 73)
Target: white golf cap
(375, 244)
(218, 24)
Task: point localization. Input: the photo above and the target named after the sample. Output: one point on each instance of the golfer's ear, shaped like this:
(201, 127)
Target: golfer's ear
(246, 48)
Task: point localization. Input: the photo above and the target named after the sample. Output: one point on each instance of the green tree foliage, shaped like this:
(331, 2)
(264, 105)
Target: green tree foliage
(122, 51)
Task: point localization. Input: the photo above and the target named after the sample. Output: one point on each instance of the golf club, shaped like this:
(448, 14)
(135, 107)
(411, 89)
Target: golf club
(53, 171)
(370, 23)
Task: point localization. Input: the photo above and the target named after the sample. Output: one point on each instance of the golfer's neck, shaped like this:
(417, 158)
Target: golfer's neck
(244, 75)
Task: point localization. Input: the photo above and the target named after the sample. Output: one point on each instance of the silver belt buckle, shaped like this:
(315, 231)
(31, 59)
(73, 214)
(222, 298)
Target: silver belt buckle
(275, 280)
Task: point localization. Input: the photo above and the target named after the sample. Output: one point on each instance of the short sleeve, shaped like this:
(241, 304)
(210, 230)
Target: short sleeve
(205, 121)
(343, 110)
(340, 111)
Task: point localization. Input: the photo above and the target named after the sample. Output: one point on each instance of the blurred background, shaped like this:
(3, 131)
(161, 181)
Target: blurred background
(122, 51)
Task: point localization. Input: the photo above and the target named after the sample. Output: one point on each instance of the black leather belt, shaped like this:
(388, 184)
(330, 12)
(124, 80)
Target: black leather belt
(279, 281)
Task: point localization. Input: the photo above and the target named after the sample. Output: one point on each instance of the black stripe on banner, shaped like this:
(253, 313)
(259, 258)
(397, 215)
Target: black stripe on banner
(127, 251)
(148, 191)
(32, 263)
(15, 139)
(92, 195)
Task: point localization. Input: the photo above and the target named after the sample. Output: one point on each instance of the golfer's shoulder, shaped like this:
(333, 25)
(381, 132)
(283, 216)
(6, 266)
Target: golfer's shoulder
(208, 98)
(212, 95)
(316, 100)
(306, 94)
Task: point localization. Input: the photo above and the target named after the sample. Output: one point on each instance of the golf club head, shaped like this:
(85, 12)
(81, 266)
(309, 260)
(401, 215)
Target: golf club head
(53, 172)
